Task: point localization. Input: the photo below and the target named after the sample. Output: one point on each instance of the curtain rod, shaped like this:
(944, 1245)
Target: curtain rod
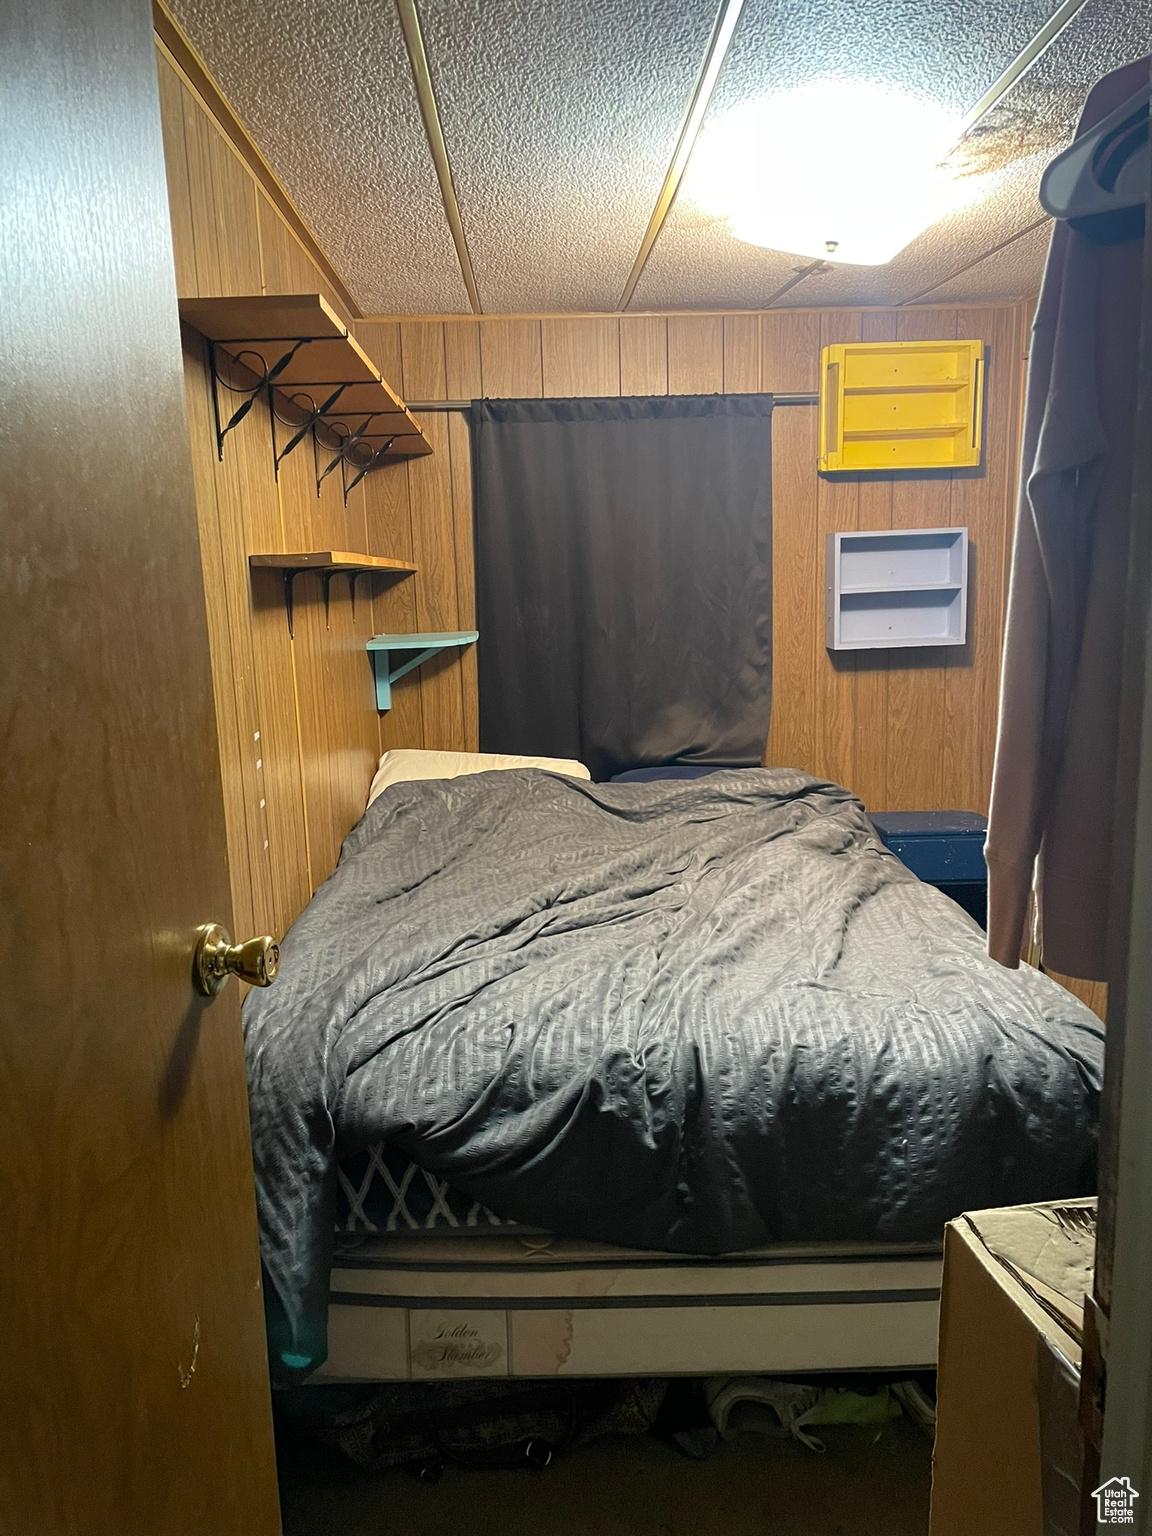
(466, 405)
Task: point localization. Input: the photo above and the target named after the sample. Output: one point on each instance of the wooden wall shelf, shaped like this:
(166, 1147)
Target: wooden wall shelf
(293, 350)
(893, 588)
(901, 405)
(332, 560)
(326, 563)
(423, 646)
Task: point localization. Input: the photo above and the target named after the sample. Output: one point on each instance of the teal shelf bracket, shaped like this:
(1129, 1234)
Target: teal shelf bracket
(388, 667)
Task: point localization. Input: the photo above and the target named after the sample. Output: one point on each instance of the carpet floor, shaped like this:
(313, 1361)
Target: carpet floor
(869, 1482)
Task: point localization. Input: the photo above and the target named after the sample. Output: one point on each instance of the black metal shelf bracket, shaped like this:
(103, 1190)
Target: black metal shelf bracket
(266, 376)
(325, 574)
(246, 355)
(312, 414)
(289, 578)
(362, 469)
(344, 455)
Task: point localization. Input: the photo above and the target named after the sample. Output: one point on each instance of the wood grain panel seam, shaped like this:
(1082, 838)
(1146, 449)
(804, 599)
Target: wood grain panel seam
(259, 236)
(300, 762)
(199, 255)
(229, 639)
(180, 198)
(443, 362)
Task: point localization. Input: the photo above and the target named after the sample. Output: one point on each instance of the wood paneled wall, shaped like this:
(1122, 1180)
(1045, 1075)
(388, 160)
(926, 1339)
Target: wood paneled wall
(297, 720)
(906, 731)
(298, 726)
(299, 733)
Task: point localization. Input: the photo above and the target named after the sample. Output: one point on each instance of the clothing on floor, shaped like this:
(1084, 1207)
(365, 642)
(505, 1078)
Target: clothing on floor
(1056, 751)
(427, 1426)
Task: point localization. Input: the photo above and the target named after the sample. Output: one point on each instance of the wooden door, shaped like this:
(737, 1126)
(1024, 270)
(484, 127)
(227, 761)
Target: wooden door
(133, 1378)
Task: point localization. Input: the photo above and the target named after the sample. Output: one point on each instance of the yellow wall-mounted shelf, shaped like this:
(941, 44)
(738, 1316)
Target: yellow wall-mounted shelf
(901, 405)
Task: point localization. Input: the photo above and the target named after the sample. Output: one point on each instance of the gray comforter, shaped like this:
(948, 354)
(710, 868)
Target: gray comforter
(697, 1015)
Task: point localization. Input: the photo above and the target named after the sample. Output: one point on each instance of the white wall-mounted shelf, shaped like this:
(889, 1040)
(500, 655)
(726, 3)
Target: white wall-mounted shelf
(895, 588)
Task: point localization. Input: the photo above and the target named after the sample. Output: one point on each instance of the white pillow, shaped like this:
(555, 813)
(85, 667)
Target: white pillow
(408, 763)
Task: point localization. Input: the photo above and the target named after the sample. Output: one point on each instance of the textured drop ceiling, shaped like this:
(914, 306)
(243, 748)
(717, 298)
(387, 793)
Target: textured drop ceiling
(560, 121)
(326, 91)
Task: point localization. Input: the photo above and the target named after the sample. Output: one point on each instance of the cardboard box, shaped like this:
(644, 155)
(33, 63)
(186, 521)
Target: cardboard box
(1008, 1451)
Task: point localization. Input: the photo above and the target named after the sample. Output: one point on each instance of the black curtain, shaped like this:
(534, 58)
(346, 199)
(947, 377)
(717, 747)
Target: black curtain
(624, 578)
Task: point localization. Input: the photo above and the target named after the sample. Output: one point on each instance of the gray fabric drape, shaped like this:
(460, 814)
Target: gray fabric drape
(624, 578)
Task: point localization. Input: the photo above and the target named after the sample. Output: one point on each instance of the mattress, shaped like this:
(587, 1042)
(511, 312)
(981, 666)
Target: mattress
(428, 1284)
(429, 1305)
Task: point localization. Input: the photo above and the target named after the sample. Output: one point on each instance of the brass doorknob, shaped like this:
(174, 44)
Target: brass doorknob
(216, 958)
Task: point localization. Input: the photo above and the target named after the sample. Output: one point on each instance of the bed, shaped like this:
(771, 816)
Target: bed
(677, 1076)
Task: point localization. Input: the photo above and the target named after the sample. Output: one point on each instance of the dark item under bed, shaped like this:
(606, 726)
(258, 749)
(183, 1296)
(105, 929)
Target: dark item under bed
(429, 1427)
(696, 1016)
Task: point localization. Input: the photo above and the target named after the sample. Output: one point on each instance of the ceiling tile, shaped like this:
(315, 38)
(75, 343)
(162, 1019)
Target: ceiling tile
(952, 51)
(696, 257)
(940, 252)
(696, 264)
(326, 92)
(1008, 274)
(560, 121)
(1043, 107)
